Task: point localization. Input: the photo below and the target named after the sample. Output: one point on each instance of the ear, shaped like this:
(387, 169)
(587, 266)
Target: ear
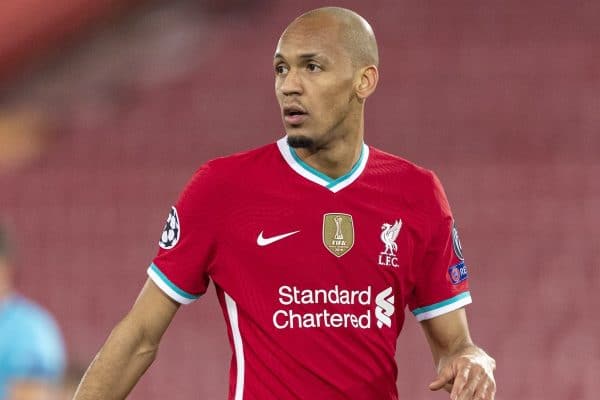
(367, 81)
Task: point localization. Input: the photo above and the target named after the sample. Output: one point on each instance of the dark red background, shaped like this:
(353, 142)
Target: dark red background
(500, 98)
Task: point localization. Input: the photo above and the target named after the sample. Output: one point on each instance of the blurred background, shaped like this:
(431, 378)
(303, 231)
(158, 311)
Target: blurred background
(107, 107)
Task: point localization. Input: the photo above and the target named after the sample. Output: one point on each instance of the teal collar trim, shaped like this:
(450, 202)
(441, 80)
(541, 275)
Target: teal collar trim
(312, 174)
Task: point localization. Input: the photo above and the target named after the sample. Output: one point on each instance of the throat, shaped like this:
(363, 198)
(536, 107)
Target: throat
(333, 164)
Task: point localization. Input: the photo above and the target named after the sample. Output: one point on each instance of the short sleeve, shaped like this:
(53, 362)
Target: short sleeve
(442, 278)
(187, 242)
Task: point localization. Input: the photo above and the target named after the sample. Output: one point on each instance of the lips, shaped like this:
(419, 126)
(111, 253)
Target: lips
(294, 114)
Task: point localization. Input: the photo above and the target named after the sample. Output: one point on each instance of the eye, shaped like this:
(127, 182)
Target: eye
(312, 67)
(281, 69)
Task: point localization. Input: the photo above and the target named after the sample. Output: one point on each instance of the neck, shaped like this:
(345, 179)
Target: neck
(336, 157)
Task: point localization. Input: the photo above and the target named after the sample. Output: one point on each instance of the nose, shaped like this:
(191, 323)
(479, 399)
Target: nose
(290, 83)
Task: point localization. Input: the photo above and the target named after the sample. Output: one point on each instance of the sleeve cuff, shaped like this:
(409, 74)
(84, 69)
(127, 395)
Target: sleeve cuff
(443, 307)
(174, 292)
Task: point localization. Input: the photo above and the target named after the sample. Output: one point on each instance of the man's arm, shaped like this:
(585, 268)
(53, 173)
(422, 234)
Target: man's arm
(464, 370)
(130, 348)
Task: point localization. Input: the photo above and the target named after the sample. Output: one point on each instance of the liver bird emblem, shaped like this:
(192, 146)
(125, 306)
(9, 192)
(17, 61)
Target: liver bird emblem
(389, 234)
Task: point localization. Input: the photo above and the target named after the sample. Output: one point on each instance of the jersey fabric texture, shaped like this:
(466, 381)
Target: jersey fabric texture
(31, 346)
(313, 274)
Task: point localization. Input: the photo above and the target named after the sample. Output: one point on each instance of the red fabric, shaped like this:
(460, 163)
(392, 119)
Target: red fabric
(231, 200)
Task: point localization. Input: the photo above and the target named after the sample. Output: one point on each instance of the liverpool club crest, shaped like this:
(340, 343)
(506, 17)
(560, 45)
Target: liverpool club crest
(389, 234)
(338, 233)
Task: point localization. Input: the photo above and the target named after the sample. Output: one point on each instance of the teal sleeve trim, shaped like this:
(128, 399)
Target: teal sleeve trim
(171, 285)
(441, 304)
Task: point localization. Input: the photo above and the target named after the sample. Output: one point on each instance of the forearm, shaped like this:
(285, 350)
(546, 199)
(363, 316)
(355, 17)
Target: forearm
(447, 335)
(118, 365)
(464, 369)
(466, 348)
(451, 347)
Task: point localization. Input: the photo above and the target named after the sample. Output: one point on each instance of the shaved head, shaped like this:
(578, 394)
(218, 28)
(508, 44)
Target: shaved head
(325, 68)
(354, 33)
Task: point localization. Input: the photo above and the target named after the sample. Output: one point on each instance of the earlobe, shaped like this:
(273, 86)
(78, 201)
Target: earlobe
(368, 82)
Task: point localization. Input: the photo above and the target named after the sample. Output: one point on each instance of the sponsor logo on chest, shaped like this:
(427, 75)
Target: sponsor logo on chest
(356, 308)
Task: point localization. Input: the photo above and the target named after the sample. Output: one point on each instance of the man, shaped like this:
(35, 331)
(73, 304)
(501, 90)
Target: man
(32, 355)
(315, 245)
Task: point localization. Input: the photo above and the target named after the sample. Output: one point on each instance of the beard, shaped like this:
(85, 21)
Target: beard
(300, 142)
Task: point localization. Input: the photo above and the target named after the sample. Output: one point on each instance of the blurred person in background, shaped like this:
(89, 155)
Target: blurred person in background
(32, 353)
(316, 244)
(68, 385)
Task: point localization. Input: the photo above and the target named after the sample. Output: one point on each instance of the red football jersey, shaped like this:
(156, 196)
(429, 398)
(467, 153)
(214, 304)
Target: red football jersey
(313, 274)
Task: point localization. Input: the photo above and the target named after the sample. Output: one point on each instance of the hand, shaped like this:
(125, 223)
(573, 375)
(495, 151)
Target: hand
(468, 375)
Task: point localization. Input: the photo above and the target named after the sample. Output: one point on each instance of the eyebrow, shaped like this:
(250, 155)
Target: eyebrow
(305, 56)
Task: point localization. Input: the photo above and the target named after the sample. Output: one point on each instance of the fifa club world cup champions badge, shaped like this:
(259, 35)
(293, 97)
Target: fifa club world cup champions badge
(338, 233)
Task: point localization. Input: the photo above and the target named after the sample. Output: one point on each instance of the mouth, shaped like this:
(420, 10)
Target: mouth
(294, 114)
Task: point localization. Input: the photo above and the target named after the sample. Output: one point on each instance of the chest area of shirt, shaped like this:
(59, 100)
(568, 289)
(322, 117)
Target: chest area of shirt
(328, 260)
(323, 240)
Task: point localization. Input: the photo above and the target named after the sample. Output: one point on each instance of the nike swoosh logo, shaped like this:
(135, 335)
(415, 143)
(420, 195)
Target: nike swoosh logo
(263, 241)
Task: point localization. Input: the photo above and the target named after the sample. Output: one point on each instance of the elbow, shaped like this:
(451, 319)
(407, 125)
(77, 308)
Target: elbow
(135, 340)
(147, 347)
(147, 350)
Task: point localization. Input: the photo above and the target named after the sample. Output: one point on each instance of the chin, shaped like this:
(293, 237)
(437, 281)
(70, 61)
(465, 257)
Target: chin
(299, 141)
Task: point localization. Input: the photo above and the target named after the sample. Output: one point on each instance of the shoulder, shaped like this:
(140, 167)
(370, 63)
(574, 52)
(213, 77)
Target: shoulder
(421, 180)
(214, 182)
(237, 165)
(241, 160)
(418, 187)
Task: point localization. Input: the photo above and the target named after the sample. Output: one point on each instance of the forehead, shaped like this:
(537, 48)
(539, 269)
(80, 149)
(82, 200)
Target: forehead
(311, 36)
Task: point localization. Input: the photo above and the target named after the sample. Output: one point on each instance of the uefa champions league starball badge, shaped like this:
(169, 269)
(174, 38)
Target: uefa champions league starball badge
(171, 232)
(456, 243)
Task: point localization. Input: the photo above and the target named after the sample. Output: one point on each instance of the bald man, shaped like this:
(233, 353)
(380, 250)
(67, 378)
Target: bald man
(315, 244)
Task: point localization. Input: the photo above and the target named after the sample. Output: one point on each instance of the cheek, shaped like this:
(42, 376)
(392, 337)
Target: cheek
(337, 101)
(278, 96)
(330, 101)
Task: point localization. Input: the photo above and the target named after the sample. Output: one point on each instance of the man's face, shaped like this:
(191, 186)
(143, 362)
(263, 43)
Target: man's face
(314, 80)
